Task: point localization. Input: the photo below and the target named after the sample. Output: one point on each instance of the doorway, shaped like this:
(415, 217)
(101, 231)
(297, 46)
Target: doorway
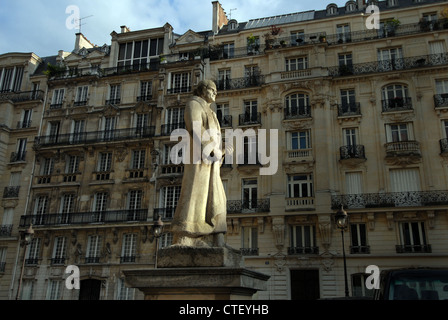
(305, 284)
(90, 289)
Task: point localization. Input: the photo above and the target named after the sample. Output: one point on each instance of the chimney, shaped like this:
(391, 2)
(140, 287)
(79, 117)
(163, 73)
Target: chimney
(82, 42)
(124, 29)
(219, 17)
(361, 4)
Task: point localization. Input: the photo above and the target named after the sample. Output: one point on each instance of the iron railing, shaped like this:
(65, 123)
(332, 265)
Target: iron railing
(303, 250)
(167, 129)
(359, 249)
(443, 145)
(352, 152)
(297, 113)
(22, 96)
(249, 119)
(5, 230)
(441, 100)
(113, 216)
(24, 124)
(349, 109)
(390, 199)
(249, 251)
(254, 206)
(397, 104)
(225, 121)
(17, 156)
(416, 248)
(94, 137)
(240, 83)
(389, 65)
(11, 192)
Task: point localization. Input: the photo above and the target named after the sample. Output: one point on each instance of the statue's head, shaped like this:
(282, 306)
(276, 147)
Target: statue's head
(207, 90)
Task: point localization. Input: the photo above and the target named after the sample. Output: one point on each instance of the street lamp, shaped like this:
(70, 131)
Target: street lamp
(157, 230)
(341, 220)
(26, 238)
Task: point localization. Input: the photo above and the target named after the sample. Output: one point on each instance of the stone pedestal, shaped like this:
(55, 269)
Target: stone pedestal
(186, 273)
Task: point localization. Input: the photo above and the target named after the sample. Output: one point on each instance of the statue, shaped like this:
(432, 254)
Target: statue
(200, 216)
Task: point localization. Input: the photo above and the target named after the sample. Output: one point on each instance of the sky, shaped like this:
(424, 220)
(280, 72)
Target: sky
(46, 26)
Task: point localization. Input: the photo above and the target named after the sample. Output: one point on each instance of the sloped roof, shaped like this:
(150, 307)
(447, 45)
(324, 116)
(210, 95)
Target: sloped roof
(281, 19)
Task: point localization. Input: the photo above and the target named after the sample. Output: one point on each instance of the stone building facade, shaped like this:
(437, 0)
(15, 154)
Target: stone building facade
(357, 117)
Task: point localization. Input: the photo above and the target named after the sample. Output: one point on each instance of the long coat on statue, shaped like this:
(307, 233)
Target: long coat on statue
(201, 209)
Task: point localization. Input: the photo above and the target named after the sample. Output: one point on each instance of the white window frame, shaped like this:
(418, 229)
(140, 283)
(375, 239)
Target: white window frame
(302, 180)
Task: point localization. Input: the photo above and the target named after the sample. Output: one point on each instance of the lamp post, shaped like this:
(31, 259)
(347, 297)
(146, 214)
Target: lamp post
(341, 220)
(26, 238)
(157, 230)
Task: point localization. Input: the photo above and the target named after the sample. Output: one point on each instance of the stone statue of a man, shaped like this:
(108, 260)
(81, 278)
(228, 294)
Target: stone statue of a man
(200, 216)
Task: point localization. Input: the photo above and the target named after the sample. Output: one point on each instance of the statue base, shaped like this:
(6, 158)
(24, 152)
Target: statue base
(197, 273)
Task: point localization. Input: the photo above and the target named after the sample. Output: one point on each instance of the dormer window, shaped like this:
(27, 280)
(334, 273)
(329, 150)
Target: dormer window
(392, 3)
(332, 9)
(350, 6)
(233, 24)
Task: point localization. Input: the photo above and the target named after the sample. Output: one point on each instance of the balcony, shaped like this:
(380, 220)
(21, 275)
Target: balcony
(84, 218)
(147, 97)
(249, 251)
(167, 129)
(127, 259)
(441, 100)
(402, 148)
(359, 249)
(390, 200)
(297, 113)
(11, 192)
(419, 248)
(17, 156)
(352, 152)
(297, 204)
(172, 169)
(303, 250)
(185, 89)
(247, 119)
(389, 65)
(94, 137)
(217, 52)
(225, 121)
(443, 146)
(397, 104)
(165, 213)
(22, 96)
(240, 83)
(255, 206)
(299, 155)
(5, 230)
(24, 124)
(113, 101)
(349, 109)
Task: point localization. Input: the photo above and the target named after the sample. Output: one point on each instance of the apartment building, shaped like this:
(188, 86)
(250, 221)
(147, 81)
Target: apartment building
(358, 116)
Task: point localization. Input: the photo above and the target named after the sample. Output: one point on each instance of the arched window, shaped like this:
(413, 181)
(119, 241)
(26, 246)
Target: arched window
(332, 9)
(297, 105)
(350, 6)
(396, 97)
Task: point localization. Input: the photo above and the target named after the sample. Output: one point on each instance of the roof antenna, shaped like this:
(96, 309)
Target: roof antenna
(81, 24)
(230, 14)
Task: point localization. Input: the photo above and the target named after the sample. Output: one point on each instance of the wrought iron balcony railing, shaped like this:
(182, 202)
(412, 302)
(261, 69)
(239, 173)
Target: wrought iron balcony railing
(390, 199)
(112, 216)
(167, 129)
(249, 119)
(22, 96)
(416, 248)
(397, 104)
(5, 230)
(352, 152)
(443, 145)
(441, 100)
(249, 251)
(359, 249)
(240, 83)
(11, 192)
(389, 65)
(218, 52)
(94, 137)
(17, 156)
(349, 109)
(254, 206)
(185, 89)
(297, 113)
(127, 259)
(303, 250)
(24, 124)
(225, 121)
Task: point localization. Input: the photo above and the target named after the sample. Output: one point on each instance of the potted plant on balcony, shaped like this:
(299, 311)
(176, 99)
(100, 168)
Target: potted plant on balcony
(322, 38)
(391, 26)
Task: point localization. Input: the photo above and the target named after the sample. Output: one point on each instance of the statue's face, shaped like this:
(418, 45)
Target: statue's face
(210, 94)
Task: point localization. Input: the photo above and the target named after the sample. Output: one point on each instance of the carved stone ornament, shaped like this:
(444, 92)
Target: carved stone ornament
(278, 229)
(404, 160)
(298, 124)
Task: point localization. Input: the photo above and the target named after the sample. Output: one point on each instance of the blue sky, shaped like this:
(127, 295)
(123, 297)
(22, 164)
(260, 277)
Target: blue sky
(39, 26)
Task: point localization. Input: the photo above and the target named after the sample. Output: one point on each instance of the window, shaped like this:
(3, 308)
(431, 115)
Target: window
(6, 226)
(78, 131)
(299, 63)
(445, 128)
(46, 168)
(251, 114)
(129, 248)
(172, 155)
(33, 252)
(332, 9)
(395, 98)
(250, 74)
(165, 240)
(350, 136)
(93, 252)
(67, 203)
(412, 238)
(297, 106)
(249, 155)
(300, 140)
(223, 114)
(405, 180)
(399, 132)
(353, 182)
(108, 125)
(359, 285)
(104, 166)
(348, 102)
(27, 290)
(350, 6)
(303, 240)
(81, 95)
(249, 241)
(229, 50)
(300, 186)
(71, 168)
(20, 153)
(358, 236)
(2, 259)
(114, 94)
(139, 53)
(138, 159)
(134, 200)
(253, 44)
(224, 79)
(392, 3)
(59, 250)
(145, 91)
(343, 32)
(250, 194)
(123, 292)
(11, 79)
(41, 205)
(346, 60)
(180, 82)
(100, 201)
(54, 290)
(168, 200)
(57, 99)
(390, 59)
(26, 119)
